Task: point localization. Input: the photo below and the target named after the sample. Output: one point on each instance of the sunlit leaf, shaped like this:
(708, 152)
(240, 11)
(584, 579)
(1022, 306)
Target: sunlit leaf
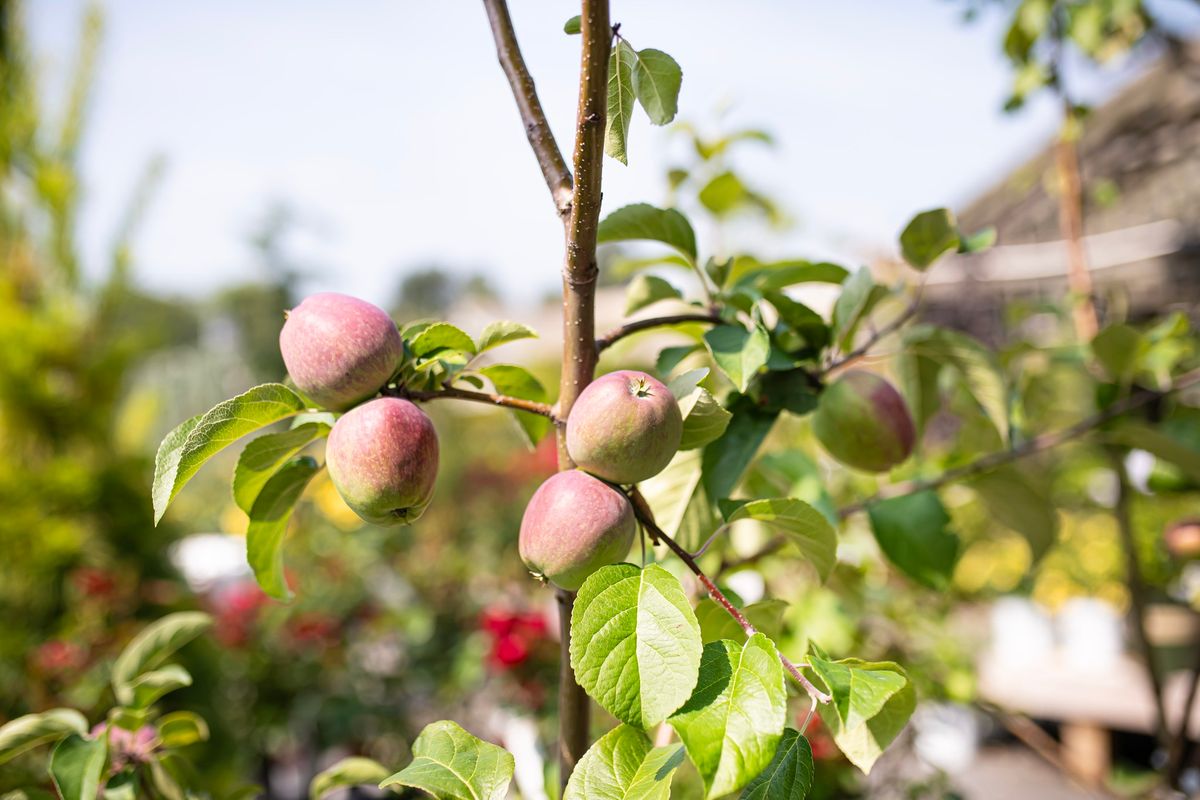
(656, 80)
(451, 764)
(154, 645)
(789, 776)
(76, 766)
(32, 730)
(269, 521)
(624, 765)
(928, 236)
(519, 382)
(502, 332)
(642, 221)
(912, 532)
(620, 101)
(263, 457)
(635, 642)
(646, 290)
(352, 771)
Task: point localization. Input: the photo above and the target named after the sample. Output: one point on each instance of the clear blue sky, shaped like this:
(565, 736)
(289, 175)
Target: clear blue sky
(389, 126)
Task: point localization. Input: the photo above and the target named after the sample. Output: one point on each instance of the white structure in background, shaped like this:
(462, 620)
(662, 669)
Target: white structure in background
(210, 560)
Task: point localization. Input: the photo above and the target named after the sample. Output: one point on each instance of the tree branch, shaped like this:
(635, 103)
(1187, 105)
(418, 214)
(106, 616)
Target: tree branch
(537, 129)
(645, 515)
(629, 328)
(1037, 444)
(874, 338)
(453, 393)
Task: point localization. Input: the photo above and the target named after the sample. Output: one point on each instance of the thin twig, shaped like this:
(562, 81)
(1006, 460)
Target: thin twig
(537, 129)
(1180, 743)
(629, 328)
(876, 335)
(1037, 444)
(453, 393)
(645, 515)
(1137, 592)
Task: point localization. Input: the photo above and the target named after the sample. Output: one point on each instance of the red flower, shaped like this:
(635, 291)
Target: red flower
(236, 610)
(94, 582)
(513, 634)
(57, 657)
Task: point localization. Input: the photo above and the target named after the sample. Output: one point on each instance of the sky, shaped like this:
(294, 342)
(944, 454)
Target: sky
(391, 132)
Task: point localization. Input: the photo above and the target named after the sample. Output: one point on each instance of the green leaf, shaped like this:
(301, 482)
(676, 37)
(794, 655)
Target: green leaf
(864, 742)
(789, 776)
(656, 80)
(76, 766)
(519, 382)
(683, 507)
(858, 693)
(978, 241)
(502, 332)
(734, 719)
(269, 521)
(441, 337)
(620, 101)
(911, 531)
(726, 460)
(805, 527)
(704, 419)
(149, 686)
(715, 623)
(642, 221)
(186, 448)
(975, 364)
(739, 353)
(928, 236)
(30, 731)
(852, 305)
(670, 357)
(724, 193)
(624, 765)
(629, 624)
(122, 786)
(153, 646)
(263, 457)
(451, 764)
(781, 274)
(1015, 502)
(573, 26)
(352, 771)
(1117, 348)
(181, 728)
(624, 267)
(646, 290)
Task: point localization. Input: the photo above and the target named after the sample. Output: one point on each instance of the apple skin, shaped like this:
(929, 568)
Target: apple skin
(383, 460)
(624, 427)
(573, 525)
(863, 422)
(1182, 538)
(338, 349)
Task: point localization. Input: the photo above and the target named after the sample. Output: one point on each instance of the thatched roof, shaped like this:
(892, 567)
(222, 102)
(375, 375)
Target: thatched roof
(1145, 143)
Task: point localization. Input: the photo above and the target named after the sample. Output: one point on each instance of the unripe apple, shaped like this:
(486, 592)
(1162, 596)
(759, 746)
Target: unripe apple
(864, 422)
(624, 427)
(574, 525)
(1182, 538)
(338, 349)
(383, 460)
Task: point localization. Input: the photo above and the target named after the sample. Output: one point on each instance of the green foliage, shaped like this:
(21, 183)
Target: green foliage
(912, 532)
(33, 730)
(624, 765)
(643, 221)
(451, 764)
(734, 719)
(872, 702)
(186, 448)
(153, 646)
(503, 332)
(739, 353)
(269, 520)
(76, 765)
(264, 456)
(519, 382)
(789, 776)
(928, 236)
(646, 290)
(656, 80)
(635, 643)
(621, 100)
(351, 771)
(804, 526)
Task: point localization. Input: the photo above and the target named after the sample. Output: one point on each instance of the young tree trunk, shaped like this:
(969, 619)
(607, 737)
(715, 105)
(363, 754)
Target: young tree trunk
(579, 353)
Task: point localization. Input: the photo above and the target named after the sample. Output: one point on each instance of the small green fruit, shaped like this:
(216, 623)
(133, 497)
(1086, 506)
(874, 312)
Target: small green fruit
(624, 427)
(383, 460)
(339, 350)
(863, 422)
(574, 525)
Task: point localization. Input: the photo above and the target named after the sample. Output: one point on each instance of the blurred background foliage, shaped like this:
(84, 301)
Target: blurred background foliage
(393, 629)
